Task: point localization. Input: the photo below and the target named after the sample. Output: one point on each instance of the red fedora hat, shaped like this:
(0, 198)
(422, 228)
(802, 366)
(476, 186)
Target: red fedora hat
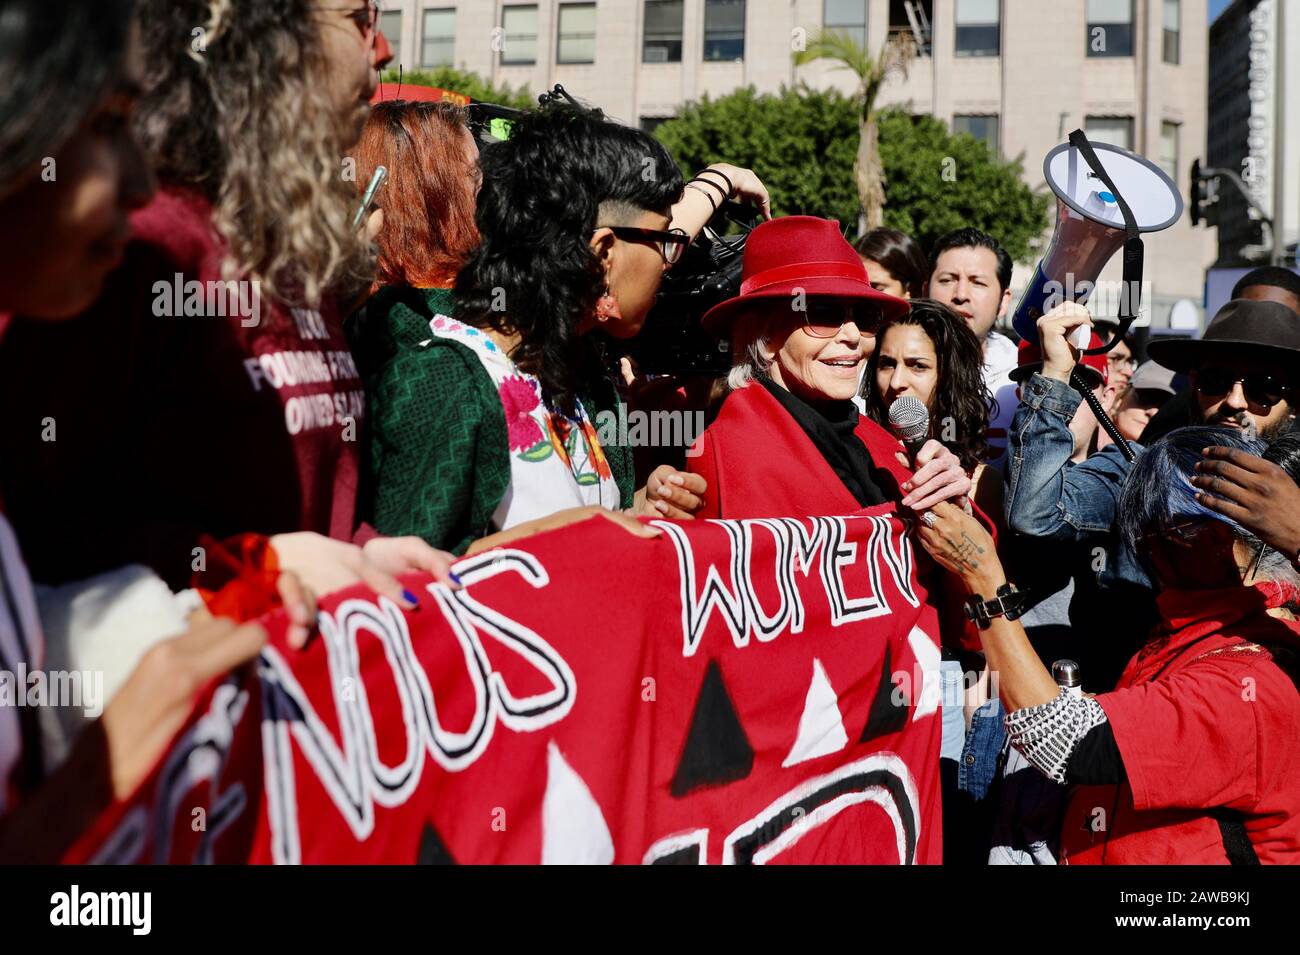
(794, 254)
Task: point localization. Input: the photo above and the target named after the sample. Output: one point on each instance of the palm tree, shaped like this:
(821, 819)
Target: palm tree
(898, 52)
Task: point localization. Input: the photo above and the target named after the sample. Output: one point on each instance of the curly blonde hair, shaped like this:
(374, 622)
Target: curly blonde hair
(236, 106)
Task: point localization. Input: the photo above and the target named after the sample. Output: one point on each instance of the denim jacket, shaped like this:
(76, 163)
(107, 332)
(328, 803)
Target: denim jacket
(1048, 496)
(1068, 513)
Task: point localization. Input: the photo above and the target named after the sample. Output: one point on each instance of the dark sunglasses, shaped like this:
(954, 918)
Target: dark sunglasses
(1261, 390)
(671, 243)
(824, 318)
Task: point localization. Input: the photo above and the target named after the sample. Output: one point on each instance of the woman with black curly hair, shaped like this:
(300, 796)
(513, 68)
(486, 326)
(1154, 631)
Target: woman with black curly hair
(579, 217)
(931, 354)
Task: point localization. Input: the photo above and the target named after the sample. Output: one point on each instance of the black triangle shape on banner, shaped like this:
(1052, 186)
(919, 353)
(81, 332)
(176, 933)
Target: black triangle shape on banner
(886, 716)
(432, 849)
(717, 750)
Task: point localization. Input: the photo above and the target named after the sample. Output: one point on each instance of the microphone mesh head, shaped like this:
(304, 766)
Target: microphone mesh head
(909, 418)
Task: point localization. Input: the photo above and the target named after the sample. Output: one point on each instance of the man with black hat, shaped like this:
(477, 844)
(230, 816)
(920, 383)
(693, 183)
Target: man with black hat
(1266, 284)
(1244, 369)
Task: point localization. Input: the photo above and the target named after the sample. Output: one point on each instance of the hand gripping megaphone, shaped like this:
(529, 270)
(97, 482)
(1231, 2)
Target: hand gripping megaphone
(1106, 197)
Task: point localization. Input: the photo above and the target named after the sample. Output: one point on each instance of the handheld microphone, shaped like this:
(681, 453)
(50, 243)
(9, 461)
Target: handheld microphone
(909, 419)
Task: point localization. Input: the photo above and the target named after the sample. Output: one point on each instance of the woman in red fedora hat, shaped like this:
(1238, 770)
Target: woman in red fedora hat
(789, 440)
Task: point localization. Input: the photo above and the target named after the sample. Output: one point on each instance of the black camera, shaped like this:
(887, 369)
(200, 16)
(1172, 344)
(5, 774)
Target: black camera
(672, 341)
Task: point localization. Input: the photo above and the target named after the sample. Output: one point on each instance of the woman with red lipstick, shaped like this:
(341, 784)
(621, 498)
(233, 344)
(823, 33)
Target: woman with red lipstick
(789, 440)
(210, 391)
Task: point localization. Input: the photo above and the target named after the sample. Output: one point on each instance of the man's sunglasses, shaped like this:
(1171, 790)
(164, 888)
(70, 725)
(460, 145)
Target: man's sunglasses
(671, 244)
(1261, 390)
(824, 319)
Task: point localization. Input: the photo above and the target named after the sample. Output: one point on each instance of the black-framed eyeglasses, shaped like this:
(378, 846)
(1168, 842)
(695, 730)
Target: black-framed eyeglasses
(365, 16)
(671, 244)
(1261, 390)
(823, 318)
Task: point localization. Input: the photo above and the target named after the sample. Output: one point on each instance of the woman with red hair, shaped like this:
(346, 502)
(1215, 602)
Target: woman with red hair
(427, 201)
(424, 233)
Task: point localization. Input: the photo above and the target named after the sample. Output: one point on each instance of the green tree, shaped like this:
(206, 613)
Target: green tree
(938, 181)
(803, 144)
(466, 83)
(842, 49)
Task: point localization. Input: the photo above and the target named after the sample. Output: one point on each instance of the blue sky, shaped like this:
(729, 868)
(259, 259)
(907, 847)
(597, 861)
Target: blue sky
(1217, 7)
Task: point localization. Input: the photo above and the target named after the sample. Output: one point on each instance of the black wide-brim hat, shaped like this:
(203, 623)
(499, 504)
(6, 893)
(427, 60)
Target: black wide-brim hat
(799, 255)
(1244, 331)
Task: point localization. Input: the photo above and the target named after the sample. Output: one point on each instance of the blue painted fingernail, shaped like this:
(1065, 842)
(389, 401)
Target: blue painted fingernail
(454, 577)
(410, 597)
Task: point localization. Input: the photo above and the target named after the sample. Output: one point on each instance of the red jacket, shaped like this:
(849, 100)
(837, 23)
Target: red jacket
(1205, 720)
(758, 462)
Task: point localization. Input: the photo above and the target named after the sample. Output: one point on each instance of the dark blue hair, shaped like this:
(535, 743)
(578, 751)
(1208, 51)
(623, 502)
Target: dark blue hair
(1158, 493)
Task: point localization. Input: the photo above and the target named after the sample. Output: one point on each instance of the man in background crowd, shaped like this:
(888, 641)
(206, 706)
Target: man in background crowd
(972, 274)
(1270, 283)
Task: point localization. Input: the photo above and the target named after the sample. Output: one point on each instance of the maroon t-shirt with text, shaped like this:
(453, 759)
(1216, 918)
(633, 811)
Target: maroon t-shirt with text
(175, 406)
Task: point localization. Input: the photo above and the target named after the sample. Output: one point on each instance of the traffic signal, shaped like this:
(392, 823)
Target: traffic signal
(1204, 195)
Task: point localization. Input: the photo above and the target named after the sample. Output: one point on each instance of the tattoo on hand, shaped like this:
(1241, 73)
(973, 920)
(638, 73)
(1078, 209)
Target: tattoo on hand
(963, 554)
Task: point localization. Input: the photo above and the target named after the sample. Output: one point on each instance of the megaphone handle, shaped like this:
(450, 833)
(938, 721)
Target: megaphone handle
(1081, 386)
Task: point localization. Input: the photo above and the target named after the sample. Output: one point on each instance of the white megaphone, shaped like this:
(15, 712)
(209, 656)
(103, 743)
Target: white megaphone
(1105, 198)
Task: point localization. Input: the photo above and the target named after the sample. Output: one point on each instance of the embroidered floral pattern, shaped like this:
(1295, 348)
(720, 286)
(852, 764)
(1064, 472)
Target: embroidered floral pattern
(536, 436)
(518, 399)
(596, 452)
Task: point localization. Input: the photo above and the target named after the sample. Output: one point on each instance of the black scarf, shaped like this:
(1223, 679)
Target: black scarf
(830, 426)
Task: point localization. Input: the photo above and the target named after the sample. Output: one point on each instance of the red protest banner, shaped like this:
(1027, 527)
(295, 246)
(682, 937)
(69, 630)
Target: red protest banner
(731, 692)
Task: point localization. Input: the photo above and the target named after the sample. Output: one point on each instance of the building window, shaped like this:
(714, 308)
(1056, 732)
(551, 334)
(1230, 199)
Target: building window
(1171, 31)
(391, 25)
(650, 123)
(438, 43)
(982, 126)
(846, 16)
(1110, 27)
(1169, 149)
(724, 29)
(1116, 130)
(663, 32)
(912, 18)
(576, 42)
(519, 35)
(979, 30)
